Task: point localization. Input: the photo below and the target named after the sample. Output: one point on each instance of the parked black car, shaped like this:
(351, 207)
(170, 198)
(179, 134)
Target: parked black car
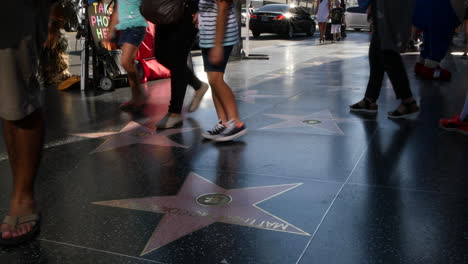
(282, 19)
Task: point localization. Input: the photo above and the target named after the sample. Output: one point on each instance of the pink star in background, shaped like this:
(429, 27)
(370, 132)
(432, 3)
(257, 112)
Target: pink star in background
(200, 203)
(249, 96)
(159, 94)
(135, 133)
(325, 119)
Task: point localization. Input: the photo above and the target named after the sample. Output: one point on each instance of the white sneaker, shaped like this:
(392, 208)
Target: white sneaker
(198, 97)
(169, 121)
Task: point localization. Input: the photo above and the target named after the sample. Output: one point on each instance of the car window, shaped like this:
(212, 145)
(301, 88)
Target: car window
(299, 12)
(356, 9)
(273, 8)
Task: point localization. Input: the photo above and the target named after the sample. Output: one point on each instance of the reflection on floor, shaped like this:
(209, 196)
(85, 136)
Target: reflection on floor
(310, 183)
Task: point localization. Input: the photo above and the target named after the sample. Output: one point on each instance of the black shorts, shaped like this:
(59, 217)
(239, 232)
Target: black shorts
(466, 13)
(209, 67)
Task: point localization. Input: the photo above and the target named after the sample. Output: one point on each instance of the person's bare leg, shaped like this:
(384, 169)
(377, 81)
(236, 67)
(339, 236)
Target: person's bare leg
(24, 140)
(128, 63)
(224, 99)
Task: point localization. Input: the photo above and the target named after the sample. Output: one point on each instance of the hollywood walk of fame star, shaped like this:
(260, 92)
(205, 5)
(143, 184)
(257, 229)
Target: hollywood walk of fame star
(250, 96)
(200, 203)
(325, 123)
(135, 133)
(344, 89)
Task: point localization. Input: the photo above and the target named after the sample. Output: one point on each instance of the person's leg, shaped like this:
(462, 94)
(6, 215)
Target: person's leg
(465, 26)
(399, 78)
(464, 113)
(128, 63)
(24, 140)
(396, 72)
(225, 102)
(377, 69)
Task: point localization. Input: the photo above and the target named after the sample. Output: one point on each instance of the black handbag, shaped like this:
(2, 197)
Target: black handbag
(163, 12)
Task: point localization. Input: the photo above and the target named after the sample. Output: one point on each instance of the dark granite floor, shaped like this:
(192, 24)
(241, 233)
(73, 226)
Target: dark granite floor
(338, 188)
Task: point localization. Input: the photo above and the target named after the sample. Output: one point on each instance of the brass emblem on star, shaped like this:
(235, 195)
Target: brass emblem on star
(311, 122)
(214, 199)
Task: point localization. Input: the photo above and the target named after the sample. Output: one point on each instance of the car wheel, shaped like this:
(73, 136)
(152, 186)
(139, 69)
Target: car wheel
(290, 33)
(357, 29)
(256, 34)
(311, 31)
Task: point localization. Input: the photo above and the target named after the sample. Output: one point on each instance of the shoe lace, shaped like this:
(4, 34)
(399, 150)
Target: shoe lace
(217, 128)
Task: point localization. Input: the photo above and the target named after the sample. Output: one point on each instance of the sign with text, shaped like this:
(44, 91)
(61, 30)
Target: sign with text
(99, 19)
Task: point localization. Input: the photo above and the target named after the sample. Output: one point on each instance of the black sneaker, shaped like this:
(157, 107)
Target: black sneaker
(409, 110)
(365, 105)
(231, 132)
(215, 132)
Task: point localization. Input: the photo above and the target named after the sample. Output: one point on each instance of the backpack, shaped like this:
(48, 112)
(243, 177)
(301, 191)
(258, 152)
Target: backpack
(163, 12)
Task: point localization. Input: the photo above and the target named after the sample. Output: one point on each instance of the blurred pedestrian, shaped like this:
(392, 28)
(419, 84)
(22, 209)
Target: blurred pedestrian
(218, 35)
(465, 31)
(337, 20)
(20, 112)
(126, 18)
(323, 16)
(392, 26)
(437, 19)
(173, 44)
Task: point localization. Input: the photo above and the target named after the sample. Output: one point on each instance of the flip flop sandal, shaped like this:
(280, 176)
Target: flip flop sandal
(13, 222)
(411, 111)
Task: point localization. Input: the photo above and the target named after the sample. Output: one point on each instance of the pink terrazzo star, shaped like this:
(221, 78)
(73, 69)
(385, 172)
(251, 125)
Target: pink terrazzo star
(135, 133)
(159, 94)
(200, 203)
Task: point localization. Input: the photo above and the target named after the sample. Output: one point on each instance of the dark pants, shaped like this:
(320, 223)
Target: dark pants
(173, 44)
(388, 61)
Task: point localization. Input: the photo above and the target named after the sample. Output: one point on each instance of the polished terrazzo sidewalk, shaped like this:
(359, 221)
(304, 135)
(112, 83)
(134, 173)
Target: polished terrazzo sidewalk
(309, 183)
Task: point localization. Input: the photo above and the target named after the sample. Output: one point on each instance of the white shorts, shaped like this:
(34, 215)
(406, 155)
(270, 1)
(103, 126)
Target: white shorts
(335, 29)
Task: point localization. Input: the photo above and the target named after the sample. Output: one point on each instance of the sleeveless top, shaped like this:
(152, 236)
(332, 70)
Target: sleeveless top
(129, 14)
(207, 24)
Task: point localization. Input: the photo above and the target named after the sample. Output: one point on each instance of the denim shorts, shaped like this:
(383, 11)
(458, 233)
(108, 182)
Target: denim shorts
(209, 67)
(134, 36)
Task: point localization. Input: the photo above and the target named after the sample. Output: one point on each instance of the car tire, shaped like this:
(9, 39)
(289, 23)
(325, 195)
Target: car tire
(311, 31)
(256, 34)
(290, 32)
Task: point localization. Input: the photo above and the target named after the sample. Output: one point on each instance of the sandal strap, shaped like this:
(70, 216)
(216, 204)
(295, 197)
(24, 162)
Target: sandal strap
(28, 218)
(11, 221)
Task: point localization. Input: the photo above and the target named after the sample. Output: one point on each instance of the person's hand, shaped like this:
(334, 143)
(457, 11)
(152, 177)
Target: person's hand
(195, 19)
(216, 55)
(106, 42)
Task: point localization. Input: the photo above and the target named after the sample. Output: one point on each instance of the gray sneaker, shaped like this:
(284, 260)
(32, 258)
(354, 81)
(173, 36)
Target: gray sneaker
(198, 97)
(169, 121)
(231, 132)
(215, 132)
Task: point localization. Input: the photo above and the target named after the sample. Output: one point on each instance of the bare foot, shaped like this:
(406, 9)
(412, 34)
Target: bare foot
(19, 208)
